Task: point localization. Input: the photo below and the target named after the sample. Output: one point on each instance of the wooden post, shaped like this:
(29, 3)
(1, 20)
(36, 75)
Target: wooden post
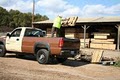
(85, 28)
(118, 38)
(33, 13)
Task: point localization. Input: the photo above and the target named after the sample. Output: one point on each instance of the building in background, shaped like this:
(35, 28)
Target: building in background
(98, 32)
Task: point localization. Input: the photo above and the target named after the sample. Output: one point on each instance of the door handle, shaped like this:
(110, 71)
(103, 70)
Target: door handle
(17, 39)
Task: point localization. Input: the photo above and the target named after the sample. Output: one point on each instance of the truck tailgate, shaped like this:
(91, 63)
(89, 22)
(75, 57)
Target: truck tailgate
(71, 43)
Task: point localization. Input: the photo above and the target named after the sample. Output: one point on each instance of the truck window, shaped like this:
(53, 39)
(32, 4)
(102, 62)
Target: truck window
(16, 33)
(33, 33)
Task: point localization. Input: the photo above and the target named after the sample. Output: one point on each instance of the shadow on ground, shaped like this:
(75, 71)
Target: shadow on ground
(25, 57)
(74, 63)
(68, 62)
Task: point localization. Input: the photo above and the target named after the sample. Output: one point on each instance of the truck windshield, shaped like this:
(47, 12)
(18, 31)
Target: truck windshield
(33, 33)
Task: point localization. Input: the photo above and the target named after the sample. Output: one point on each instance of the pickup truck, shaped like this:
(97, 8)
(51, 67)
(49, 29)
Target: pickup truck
(28, 40)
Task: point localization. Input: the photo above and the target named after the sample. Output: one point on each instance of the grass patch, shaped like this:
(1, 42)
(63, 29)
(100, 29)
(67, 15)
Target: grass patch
(117, 63)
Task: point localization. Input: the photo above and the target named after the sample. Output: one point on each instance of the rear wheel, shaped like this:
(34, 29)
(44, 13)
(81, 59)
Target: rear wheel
(2, 51)
(42, 56)
(61, 60)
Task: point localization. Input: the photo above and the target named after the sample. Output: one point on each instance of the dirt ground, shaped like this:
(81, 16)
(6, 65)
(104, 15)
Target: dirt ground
(27, 68)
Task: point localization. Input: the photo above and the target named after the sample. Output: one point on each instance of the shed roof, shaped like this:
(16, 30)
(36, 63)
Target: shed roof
(87, 20)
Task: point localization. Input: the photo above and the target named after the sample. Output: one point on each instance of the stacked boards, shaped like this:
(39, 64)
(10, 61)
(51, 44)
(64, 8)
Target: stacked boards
(101, 41)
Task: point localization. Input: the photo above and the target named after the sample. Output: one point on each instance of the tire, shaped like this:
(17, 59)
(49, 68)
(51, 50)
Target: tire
(42, 56)
(61, 60)
(2, 51)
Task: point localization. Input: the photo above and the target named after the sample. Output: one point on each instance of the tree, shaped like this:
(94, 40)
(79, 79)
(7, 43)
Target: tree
(4, 17)
(15, 18)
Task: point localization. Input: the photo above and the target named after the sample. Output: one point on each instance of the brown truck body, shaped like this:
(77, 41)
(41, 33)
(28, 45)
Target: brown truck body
(31, 40)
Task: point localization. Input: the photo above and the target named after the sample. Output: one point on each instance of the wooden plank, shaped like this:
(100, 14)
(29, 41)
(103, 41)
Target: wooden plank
(109, 46)
(69, 35)
(107, 40)
(97, 56)
(101, 34)
(72, 21)
(103, 46)
(93, 45)
(86, 40)
(100, 37)
(82, 45)
(102, 41)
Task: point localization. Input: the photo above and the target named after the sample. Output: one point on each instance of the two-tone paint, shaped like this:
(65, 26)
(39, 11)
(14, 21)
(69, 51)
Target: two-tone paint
(32, 44)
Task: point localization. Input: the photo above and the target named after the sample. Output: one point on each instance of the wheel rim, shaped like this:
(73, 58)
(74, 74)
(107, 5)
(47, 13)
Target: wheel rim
(42, 58)
(1, 51)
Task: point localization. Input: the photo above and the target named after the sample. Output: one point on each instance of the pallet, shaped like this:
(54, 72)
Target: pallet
(97, 56)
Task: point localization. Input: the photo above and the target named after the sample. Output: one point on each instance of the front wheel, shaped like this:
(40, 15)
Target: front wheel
(2, 51)
(42, 56)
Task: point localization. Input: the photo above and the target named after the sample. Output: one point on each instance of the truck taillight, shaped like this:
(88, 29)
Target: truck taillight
(61, 42)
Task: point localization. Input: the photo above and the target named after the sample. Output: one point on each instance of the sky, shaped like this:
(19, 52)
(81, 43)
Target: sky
(66, 8)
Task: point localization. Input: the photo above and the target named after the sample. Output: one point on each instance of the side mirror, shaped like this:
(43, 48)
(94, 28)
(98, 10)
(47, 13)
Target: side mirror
(8, 34)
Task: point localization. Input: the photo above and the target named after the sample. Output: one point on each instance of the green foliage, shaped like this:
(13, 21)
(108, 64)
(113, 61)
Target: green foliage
(117, 62)
(4, 17)
(15, 18)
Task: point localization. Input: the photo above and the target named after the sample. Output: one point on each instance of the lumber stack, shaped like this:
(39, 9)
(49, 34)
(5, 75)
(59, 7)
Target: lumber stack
(87, 42)
(101, 41)
(70, 33)
(81, 35)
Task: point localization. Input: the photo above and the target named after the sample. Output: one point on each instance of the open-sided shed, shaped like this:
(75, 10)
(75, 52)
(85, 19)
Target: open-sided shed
(103, 32)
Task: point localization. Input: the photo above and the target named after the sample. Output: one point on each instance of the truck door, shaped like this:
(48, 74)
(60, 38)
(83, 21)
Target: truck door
(14, 41)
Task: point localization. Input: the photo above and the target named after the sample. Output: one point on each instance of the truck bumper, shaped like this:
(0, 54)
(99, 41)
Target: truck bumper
(69, 53)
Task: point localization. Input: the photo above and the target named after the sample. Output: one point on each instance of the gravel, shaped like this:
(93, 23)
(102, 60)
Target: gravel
(27, 68)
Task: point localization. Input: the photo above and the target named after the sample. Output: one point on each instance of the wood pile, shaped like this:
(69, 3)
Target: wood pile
(70, 33)
(101, 41)
(87, 42)
(71, 21)
(81, 35)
